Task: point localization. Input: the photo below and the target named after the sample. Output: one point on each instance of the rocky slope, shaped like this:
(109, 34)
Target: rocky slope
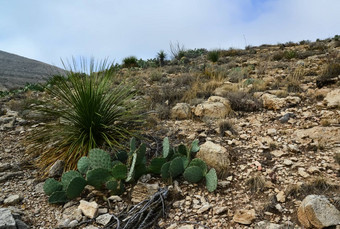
(261, 121)
(16, 71)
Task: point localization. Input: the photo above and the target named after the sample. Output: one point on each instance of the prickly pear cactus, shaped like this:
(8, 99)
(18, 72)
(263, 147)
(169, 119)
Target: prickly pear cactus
(116, 187)
(165, 170)
(99, 159)
(156, 165)
(83, 165)
(97, 177)
(193, 174)
(166, 147)
(75, 187)
(194, 146)
(119, 171)
(51, 186)
(68, 176)
(58, 197)
(211, 180)
(200, 163)
(176, 167)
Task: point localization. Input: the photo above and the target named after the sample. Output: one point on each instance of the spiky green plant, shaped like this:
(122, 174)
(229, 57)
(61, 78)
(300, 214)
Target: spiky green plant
(213, 55)
(90, 111)
(161, 55)
(130, 61)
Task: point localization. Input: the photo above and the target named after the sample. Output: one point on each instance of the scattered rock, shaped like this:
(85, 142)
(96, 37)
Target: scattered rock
(181, 111)
(216, 156)
(6, 219)
(57, 169)
(281, 197)
(301, 172)
(104, 219)
(272, 102)
(12, 200)
(89, 209)
(332, 99)
(244, 216)
(214, 107)
(317, 211)
(268, 225)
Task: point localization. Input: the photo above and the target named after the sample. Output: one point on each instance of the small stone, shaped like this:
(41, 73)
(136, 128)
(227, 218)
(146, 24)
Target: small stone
(115, 198)
(102, 211)
(89, 209)
(204, 208)
(244, 216)
(186, 227)
(281, 197)
(21, 225)
(287, 162)
(12, 200)
(220, 210)
(104, 219)
(278, 207)
(6, 219)
(302, 173)
(39, 188)
(271, 132)
(57, 169)
(73, 223)
(172, 226)
(90, 227)
(313, 170)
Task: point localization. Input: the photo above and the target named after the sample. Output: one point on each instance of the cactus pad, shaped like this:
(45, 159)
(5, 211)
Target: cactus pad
(156, 165)
(51, 186)
(83, 165)
(200, 163)
(176, 167)
(166, 147)
(68, 176)
(97, 177)
(211, 180)
(165, 170)
(58, 197)
(193, 174)
(75, 187)
(119, 171)
(194, 146)
(99, 159)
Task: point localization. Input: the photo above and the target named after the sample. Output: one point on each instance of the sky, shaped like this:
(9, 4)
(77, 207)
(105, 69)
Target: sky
(51, 30)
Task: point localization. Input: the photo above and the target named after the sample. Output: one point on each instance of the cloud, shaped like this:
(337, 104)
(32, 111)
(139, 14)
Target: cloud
(50, 30)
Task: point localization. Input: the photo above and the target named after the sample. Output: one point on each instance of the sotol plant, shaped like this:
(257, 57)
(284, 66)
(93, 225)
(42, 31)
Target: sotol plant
(89, 111)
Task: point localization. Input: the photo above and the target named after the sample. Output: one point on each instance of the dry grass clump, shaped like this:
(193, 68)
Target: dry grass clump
(224, 126)
(256, 183)
(243, 101)
(337, 158)
(237, 74)
(232, 52)
(201, 90)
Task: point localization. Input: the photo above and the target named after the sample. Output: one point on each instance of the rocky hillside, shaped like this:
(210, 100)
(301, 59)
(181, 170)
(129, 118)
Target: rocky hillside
(267, 119)
(17, 71)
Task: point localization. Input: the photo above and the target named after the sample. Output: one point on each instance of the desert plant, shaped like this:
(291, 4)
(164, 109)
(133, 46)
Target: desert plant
(213, 55)
(177, 50)
(161, 55)
(256, 183)
(90, 112)
(243, 101)
(130, 61)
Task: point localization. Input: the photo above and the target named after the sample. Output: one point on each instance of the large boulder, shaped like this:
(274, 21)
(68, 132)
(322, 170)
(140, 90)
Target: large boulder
(181, 111)
(332, 99)
(317, 211)
(214, 107)
(329, 135)
(215, 156)
(6, 219)
(272, 102)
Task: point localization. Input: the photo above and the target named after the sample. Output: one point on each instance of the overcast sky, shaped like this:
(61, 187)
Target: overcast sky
(47, 30)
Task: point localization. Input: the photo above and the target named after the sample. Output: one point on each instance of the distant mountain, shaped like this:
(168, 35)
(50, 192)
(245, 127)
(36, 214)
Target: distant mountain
(16, 71)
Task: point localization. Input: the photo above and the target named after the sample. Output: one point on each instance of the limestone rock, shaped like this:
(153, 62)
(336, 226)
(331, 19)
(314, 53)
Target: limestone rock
(89, 209)
(214, 107)
(6, 219)
(332, 99)
(317, 211)
(281, 197)
(272, 102)
(12, 200)
(268, 225)
(56, 169)
(143, 191)
(244, 216)
(181, 111)
(104, 219)
(216, 156)
(329, 135)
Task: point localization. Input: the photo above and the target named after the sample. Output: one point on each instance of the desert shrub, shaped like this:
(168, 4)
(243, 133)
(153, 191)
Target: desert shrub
(278, 56)
(256, 183)
(90, 113)
(232, 52)
(156, 76)
(290, 54)
(243, 101)
(304, 42)
(224, 126)
(213, 55)
(184, 80)
(177, 50)
(238, 74)
(130, 61)
(193, 53)
(321, 46)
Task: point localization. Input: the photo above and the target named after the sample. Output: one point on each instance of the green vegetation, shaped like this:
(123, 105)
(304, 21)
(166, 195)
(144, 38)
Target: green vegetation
(161, 56)
(129, 62)
(213, 55)
(90, 112)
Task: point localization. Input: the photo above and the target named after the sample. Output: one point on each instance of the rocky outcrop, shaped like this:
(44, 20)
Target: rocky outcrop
(214, 107)
(332, 99)
(181, 111)
(317, 211)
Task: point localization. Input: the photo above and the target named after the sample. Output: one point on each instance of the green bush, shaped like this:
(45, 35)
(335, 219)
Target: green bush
(161, 55)
(90, 112)
(213, 55)
(129, 62)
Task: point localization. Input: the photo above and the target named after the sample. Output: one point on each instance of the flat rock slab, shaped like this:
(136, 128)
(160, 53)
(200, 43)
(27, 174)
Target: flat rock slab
(6, 219)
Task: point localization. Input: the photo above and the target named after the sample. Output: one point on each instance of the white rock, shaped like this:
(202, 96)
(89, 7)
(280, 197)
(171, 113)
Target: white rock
(302, 173)
(204, 208)
(181, 111)
(89, 209)
(281, 197)
(104, 219)
(287, 162)
(214, 107)
(115, 198)
(332, 99)
(12, 200)
(6, 219)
